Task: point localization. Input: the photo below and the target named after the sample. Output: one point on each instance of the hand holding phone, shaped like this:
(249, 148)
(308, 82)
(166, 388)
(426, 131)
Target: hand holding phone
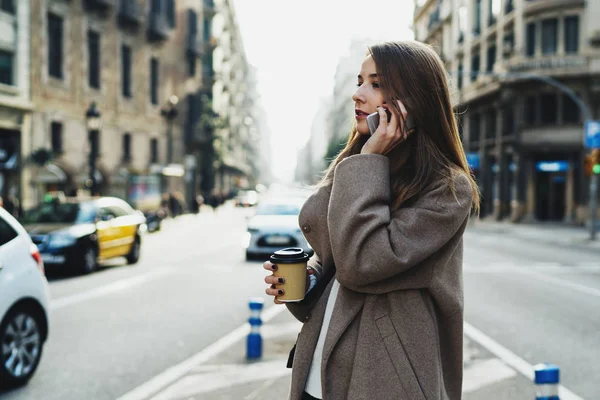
(373, 121)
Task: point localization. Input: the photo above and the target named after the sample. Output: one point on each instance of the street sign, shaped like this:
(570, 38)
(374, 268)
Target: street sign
(473, 160)
(592, 134)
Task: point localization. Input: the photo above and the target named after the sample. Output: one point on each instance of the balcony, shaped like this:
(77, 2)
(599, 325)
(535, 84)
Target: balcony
(99, 5)
(158, 27)
(194, 46)
(537, 6)
(129, 13)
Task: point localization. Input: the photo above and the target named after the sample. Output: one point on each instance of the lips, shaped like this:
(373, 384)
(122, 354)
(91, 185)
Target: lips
(360, 114)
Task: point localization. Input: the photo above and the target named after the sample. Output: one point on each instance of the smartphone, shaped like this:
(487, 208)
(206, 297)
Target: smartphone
(373, 121)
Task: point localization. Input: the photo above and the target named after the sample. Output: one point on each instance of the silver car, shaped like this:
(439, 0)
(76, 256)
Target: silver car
(275, 226)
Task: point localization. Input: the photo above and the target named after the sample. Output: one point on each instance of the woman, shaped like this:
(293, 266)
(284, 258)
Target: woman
(387, 223)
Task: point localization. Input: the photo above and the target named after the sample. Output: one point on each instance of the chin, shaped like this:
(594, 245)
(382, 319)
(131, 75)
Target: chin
(363, 128)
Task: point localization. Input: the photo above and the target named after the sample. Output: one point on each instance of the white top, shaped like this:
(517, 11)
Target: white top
(313, 383)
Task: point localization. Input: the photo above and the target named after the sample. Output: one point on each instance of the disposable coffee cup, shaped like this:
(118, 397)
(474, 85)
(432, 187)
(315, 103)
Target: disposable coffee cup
(291, 266)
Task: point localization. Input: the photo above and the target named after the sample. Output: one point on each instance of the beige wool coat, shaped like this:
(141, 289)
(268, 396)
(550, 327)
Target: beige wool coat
(396, 329)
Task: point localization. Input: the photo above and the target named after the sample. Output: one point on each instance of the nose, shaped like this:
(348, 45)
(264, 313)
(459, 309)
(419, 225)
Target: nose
(358, 96)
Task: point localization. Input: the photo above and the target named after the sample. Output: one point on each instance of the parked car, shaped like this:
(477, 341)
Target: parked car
(274, 226)
(246, 198)
(24, 301)
(78, 233)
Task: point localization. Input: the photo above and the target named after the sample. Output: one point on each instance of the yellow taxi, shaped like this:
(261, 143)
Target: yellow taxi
(79, 233)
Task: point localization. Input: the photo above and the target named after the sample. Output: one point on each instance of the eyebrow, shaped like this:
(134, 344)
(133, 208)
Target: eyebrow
(370, 76)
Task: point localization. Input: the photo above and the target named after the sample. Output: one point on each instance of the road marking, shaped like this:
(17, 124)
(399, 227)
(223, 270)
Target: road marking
(225, 376)
(560, 282)
(154, 385)
(485, 372)
(511, 359)
(117, 286)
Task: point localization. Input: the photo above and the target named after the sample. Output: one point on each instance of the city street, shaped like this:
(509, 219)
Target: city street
(526, 302)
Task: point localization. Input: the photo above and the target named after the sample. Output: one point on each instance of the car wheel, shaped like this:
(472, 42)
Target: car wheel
(134, 254)
(89, 263)
(21, 346)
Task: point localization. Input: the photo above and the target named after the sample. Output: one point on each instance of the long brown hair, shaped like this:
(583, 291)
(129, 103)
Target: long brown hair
(413, 73)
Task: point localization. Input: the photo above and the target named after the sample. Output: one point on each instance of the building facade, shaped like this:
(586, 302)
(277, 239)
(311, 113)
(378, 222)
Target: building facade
(15, 102)
(237, 140)
(516, 66)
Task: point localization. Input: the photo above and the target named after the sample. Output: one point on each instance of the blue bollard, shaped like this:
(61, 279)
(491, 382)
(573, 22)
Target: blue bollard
(254, 340)
(547, 378)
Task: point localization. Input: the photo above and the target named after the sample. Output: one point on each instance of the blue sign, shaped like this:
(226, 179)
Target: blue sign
(473, 160)
(552, 166)
(592, 134)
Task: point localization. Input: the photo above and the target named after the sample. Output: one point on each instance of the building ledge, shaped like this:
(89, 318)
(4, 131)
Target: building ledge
(538, 6)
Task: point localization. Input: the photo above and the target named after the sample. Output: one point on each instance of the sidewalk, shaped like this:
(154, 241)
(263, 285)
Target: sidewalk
(229, 376)
(550, 233)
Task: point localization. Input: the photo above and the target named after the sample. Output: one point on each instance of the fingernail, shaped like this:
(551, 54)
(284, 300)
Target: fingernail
(280, 280)
(274, 267)
(280, 291)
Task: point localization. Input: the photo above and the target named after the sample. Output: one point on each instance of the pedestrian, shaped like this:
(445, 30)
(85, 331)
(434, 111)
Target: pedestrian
(383, 314)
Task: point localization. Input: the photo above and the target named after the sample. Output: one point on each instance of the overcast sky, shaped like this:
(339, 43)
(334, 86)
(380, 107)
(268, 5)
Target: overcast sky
(295, 46)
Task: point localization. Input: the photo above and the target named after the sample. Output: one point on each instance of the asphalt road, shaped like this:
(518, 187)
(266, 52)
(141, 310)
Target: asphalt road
(118, 328)
(538, 300)
(115, 329)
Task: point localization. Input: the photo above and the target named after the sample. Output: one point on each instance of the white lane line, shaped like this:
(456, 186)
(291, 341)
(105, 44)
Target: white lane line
(154, 385)
(122, 284)
(564, 283)
(225, 377)
(511, 359)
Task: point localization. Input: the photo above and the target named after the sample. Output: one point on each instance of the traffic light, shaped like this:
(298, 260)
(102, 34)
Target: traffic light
(595, 161)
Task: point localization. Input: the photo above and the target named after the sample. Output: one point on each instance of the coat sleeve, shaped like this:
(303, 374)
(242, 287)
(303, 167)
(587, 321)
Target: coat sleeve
(370, 244)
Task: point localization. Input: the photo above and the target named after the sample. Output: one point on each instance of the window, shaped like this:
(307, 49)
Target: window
(477, 16)
(474, 128)
(491, 58)
(8, 6)
(6, 68)
(508, 120)
(572, 34)
(460, 76)
(55, 46)
(94, 59)
(126, 147)
(191, 65)
(570, 110)
(494, 11)
(549, 108)
(531, 39)
(154, 151)
(56, 136)
(126, 71)
(154, 80)
(490, 124)
(7, 233)
(206, 28)
(549, 36)
(530, 110)
(171, 15)
(475, 61)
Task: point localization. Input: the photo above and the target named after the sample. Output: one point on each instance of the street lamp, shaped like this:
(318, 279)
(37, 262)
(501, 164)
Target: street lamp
(169, 112)
(94, 123)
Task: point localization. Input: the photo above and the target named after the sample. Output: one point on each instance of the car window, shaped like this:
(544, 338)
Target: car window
(106, 212)
(60, 213)
(7, 233)
(118, 211)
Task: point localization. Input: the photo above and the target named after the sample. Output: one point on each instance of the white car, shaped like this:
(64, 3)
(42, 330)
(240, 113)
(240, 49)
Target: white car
(24, 302)
(275, 226)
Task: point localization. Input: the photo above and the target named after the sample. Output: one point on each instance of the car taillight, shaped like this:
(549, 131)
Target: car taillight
(35, 253)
